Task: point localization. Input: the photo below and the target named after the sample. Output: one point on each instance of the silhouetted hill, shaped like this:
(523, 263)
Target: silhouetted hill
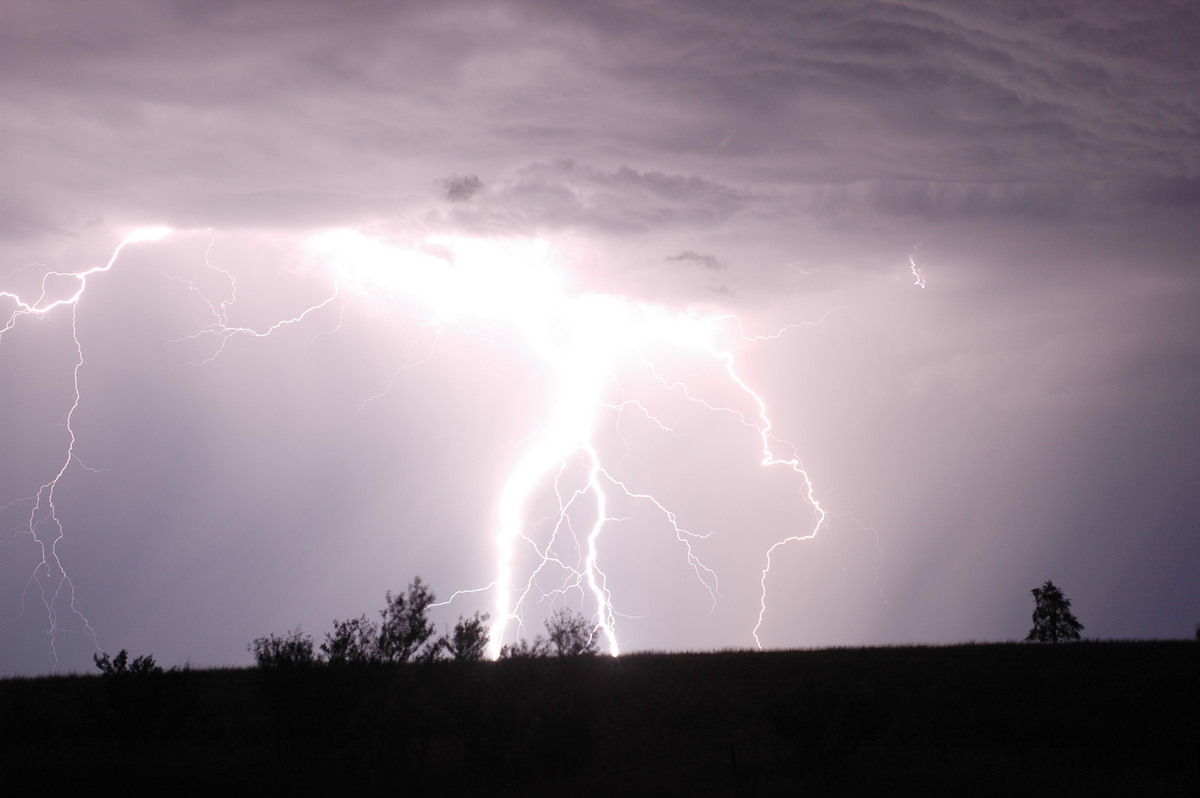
(995, 719)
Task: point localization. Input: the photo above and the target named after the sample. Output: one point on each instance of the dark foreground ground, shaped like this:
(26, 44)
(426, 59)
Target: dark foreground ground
(1008, 719)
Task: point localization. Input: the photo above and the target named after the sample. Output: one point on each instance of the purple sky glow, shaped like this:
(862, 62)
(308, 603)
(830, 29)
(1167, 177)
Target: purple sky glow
(1031, 412)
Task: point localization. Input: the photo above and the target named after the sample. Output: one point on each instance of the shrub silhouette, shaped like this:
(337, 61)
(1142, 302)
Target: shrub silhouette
(524, 649)
(568, 634)
(120, 664)
(468, 640)
(406, 631)
(144, 702)
(571, 634)
(293, 649)
(404, 634)
(352, 642)
(1052, 618)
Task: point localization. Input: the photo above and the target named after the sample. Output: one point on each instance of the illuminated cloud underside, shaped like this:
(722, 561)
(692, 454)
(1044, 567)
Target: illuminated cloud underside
(990, 210)
(581, 338)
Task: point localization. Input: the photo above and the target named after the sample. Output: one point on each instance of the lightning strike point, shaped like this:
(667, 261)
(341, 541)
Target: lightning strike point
(43, 524)
(581, 339)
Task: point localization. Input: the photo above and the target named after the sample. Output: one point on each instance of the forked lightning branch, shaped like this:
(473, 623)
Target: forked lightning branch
(581, 338)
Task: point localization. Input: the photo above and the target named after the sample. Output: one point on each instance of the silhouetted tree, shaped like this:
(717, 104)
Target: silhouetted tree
(523, 649)
(468, 641)
(1052, 618)
(406, 631)
(352, 642)
(571, 634)
(293, 649)
(144, 701)
(120, 664)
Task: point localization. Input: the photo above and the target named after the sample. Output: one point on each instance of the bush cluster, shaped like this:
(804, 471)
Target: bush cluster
(120, 664)
(404, 633)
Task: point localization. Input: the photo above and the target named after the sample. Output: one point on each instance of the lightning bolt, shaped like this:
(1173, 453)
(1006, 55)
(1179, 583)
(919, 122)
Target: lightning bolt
(583, 338)
(43, 524)
(918, 278)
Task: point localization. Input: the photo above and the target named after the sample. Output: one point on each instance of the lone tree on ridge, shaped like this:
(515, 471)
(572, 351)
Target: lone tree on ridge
(1052, 618)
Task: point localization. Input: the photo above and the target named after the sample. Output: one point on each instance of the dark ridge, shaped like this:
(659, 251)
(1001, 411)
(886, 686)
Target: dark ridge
(979, 719)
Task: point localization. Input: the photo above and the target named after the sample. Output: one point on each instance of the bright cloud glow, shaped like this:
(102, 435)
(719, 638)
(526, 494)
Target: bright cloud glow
(582, 338)
(515, 342)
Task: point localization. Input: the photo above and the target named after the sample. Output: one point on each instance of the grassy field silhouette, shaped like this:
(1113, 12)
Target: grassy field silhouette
(989, 719)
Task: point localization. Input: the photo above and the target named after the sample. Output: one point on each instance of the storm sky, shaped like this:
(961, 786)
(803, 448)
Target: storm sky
(1031, 413)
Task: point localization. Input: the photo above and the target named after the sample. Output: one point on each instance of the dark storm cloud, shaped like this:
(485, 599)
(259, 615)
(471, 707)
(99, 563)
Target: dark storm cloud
(460, 189)
(711, 262)
(1183, 192)
(18, 220)
(922, 199)
(565, 193)
(942, 90)
(934, 108)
